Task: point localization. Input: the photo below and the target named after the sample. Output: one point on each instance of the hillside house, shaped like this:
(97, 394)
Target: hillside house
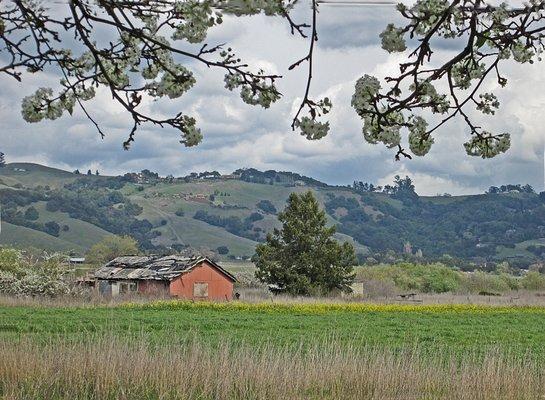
(196, 278)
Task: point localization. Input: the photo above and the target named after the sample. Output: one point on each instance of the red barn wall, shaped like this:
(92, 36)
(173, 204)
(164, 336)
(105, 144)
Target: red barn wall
(220, 287)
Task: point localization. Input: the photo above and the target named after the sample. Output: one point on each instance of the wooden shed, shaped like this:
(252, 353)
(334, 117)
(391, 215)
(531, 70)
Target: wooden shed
(197, 278)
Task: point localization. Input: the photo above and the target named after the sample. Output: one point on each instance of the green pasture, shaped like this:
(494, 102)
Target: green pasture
(454, 329)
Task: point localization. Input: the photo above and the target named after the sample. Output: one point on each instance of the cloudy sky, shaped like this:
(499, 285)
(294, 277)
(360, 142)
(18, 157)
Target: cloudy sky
(237, 135)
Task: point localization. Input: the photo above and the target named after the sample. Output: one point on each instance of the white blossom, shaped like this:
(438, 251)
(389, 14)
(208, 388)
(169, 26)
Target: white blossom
(487, 145)
(366, 89)
(312, 129)
(419, 141)
(392, 39)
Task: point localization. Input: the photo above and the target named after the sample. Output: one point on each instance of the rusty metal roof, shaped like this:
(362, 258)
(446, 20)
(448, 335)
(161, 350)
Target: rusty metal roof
(152, 267)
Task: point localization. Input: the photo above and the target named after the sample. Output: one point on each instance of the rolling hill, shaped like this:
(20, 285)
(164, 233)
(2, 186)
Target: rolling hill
(235, 212)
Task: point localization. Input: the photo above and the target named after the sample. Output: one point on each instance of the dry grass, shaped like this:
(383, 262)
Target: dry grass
(260, 295)
(115, 369)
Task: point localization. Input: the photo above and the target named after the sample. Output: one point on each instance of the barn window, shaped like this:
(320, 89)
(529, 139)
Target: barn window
(200, 289)
(127, 287)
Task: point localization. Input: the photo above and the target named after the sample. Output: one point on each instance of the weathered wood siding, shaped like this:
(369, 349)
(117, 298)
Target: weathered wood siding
(203, 282)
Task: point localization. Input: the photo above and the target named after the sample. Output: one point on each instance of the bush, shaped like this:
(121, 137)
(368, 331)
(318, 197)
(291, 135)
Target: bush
(483, 282)
(52, 228)
(10, 260)
(31, 214)
(533, 281)
(28, 277)
(432, 278)
(266, 206)
(223, 250)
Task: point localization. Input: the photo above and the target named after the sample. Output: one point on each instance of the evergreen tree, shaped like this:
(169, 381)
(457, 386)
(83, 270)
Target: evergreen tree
(303, 258)
(2, 160)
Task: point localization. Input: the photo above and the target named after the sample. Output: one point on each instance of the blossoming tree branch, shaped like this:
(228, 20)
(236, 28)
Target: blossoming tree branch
(146, 56)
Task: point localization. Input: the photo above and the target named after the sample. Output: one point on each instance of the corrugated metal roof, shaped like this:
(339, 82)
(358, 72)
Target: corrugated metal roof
(152, 267)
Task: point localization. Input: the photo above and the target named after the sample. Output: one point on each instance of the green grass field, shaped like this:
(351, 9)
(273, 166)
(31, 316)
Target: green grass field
(455, 329)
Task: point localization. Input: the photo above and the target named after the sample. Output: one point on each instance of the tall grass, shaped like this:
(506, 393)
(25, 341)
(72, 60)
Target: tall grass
(115, 369)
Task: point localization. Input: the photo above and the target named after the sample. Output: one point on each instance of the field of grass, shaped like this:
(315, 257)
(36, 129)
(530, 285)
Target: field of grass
(460, 329)
(304, 350)
(121, 370)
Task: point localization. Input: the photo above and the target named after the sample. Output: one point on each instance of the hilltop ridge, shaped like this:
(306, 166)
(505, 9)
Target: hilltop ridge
(230, 214)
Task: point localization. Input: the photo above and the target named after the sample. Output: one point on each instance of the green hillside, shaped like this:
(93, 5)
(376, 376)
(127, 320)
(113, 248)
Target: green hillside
(31, 175)
(207, 212)
(21, 237)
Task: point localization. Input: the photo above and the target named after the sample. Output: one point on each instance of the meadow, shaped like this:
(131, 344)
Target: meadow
(458, 329)
(298, 350)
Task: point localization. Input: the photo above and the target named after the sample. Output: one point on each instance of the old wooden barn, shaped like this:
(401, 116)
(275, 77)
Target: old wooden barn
(197, 278)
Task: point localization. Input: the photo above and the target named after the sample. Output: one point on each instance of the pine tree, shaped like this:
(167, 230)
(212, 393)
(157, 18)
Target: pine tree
(303, 258)
(2, 160)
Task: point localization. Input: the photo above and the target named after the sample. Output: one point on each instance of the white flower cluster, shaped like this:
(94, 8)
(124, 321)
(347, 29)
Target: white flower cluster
(251, 7)
(367, 87)
(419, 141)
(488, 145)
(113, 72)
(262, 94)
(41, 104)
(191, 135)
(392, 39)
(428, 12)
(488, 103)
(427, 94)
(522, 53)
(198, 18)
(175, 82)
(466, 71)
(500, 14)
(387, 132)
(312, 129)
(363, 101)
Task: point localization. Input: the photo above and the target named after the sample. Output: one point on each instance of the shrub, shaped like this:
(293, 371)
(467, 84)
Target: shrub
(533, 281)
(28, 277)
(266, 206)
(10, 260)
(31, 214)
(432, 278)
(223, 250)
(52, 228)
(483, 282)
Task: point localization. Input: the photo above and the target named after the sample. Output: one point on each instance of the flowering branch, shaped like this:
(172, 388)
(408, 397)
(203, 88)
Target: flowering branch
(492, 34)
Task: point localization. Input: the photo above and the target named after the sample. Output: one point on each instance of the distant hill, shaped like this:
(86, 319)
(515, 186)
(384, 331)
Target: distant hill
(234, 212)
